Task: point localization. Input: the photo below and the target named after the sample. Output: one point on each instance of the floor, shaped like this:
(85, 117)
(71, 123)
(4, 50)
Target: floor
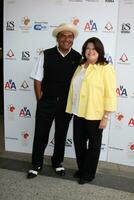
(112, 181)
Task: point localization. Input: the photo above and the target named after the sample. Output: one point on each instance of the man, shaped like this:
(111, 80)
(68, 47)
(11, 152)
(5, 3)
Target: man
(52, 77)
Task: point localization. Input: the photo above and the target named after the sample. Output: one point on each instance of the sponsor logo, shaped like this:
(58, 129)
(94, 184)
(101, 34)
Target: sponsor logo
(103, 147)
(25, 112)
(76, 0)
(10, 26)
(24, 86)
(131, 122)
(132, 95)
(25, 21)
(25, 138)
(11, 2)
(58, 1)
(10, 85)
(125, 28)
(92, 0)
(119, 120)
(90, 26)
(40, 26)
(124, 59)
(11, 138)
(38, 52)
(75, 21)
(128, 1)
(131, 148)
(109, 58)
(67, 144)
(121, 91)
(11, 112)
(25, 55)
(10, 55)
(119, 117)
(11, 108)
(108, 27)
(116, 148)
(109, 1)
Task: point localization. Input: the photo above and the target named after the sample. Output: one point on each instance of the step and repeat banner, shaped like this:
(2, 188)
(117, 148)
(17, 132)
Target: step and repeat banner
(28, 26)
(121, 134)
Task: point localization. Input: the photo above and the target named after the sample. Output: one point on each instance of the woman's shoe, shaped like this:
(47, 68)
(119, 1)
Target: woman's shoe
(84, 181)
(76, 174)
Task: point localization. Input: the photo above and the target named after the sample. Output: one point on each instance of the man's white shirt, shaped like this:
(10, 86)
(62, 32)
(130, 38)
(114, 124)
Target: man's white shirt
(37, 72)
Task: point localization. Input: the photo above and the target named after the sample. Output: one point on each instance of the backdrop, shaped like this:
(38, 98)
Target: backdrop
(28, 27)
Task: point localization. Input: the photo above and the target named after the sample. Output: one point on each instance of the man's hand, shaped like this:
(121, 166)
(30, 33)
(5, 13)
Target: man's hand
(37, 87)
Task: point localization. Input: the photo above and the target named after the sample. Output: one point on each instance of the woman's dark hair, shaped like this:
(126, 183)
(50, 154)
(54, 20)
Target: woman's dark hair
(98, 47)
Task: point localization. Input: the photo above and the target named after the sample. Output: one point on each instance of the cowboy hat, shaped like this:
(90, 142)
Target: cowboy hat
(65, 27)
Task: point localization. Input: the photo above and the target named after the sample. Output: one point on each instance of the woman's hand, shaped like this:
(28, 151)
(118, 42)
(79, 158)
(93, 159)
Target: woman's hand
(103, 123)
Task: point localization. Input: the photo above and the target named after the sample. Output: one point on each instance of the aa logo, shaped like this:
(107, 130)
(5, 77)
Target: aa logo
(90, 26)
(108, 58)
(121, 91)
(25, 112)
(10, 85)
(131, 122)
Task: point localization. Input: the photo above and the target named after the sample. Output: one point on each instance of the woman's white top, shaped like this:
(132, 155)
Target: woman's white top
(76, 90)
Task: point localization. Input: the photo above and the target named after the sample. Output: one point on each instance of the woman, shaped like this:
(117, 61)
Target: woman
(92, 97)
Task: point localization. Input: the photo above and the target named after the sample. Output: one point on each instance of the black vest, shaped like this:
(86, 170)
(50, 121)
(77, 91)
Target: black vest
(58, 71)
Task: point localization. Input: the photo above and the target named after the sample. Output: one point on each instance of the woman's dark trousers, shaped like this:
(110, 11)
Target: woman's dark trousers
(87, 142)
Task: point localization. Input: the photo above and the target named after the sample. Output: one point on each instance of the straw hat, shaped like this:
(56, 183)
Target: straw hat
(65, 27)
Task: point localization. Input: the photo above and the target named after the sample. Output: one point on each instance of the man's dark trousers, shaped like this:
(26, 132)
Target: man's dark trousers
(49, 109)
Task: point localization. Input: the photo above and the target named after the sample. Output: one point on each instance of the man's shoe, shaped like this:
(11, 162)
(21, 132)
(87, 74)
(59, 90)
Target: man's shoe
(32, 173)
(59, 170)
(76, 174)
